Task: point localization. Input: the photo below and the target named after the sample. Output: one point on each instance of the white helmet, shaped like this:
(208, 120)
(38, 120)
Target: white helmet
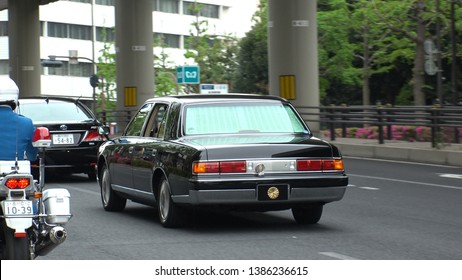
(9, 92)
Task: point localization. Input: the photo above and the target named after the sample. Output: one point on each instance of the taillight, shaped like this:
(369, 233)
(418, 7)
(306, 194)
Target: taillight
(41, 133)
(320, 165)
(309, 165)
(17, 183)
(219, 167)
(93, 135)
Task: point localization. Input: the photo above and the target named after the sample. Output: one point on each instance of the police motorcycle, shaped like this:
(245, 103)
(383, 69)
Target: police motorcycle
(32, 218)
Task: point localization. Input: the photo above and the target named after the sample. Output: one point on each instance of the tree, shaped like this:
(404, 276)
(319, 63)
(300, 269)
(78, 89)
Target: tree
(215, 55)
(251, 75)
(165, 78)
(336, 51)
(107, 75)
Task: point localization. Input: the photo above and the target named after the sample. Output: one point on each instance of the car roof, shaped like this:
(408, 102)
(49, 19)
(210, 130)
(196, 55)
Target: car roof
(35, 99)
(194, 98)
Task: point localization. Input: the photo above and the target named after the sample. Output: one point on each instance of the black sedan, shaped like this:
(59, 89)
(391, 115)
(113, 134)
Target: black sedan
(230, 151)
(74, 131)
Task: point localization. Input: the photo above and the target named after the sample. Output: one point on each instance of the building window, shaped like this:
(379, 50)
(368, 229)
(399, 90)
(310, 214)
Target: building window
(77, 70)
(81, 32)
(3, 28)
(81, 1)
(72, 31)
(167, 40)
(58, 30)
(206, 10)
(4, 67)
(166, 6)
(105, 2)
(105, 34)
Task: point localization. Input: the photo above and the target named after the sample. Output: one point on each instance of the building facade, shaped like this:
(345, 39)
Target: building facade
(81, 28)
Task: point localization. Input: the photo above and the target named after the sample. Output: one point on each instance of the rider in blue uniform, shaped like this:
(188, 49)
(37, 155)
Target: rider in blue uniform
(16, 131)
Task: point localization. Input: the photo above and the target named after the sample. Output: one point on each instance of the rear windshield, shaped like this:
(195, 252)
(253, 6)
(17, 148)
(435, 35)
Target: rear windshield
(53, 111)
(251, 117)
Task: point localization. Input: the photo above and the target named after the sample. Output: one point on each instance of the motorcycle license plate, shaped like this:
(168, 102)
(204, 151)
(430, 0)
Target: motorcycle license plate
(63, 139)
(17, 207)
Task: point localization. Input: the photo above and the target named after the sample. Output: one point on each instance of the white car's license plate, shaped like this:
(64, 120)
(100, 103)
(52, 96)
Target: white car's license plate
(17, 207)
(63, 139)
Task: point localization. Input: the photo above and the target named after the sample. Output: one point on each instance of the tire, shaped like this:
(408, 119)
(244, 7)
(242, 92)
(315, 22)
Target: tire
(307, 215)
(14, 248)
(110, 199)
(170, 215)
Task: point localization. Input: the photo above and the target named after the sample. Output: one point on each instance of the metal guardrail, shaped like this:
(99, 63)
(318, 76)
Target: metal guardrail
(343, 117)
(384, 117)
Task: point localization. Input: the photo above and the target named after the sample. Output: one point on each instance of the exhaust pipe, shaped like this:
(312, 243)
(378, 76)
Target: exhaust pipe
(56, 236)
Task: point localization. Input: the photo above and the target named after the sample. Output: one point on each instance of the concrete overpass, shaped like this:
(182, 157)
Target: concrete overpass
(292, 46)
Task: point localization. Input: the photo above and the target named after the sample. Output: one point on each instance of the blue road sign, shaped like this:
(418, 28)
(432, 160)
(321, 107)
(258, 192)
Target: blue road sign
(188, 74)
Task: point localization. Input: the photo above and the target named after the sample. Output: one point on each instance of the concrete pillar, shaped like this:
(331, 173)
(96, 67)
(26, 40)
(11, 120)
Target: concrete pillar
(293, 53)
(24, 46)
(134, 53)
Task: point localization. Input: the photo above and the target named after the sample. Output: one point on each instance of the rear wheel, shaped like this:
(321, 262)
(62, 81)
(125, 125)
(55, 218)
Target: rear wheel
(307, 215)
(14, 248)
(110, 199)
(170, 215)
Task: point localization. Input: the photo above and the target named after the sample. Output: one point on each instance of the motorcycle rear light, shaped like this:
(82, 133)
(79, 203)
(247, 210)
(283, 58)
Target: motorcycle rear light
(93, 135)
(20, 234)
(219, 167)
(17, 183)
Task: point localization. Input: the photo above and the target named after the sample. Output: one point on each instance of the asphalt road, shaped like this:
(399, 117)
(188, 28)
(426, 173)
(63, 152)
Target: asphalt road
(391, 211)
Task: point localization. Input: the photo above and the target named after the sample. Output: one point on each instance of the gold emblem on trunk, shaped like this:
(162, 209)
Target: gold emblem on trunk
(273, 192)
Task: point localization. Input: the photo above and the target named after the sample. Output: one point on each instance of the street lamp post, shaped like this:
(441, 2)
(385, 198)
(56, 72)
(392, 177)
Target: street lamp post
(52, 62)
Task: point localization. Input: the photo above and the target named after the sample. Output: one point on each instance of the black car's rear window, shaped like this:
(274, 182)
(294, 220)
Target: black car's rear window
(53, 111)
(253, 117)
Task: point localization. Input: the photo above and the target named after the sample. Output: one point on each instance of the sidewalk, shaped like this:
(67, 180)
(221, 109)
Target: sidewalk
(448, 154)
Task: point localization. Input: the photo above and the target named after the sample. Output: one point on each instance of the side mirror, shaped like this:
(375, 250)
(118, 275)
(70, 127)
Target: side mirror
(104, 130)
(41, 138)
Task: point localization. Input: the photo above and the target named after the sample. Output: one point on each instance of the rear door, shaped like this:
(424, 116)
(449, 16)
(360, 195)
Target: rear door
(146, 151)
(122, 156)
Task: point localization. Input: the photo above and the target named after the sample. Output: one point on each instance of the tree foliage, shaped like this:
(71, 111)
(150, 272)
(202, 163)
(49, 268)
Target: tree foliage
(251, 75)
(215, 54)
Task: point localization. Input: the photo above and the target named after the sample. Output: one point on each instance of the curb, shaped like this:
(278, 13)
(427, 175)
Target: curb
(381, 151)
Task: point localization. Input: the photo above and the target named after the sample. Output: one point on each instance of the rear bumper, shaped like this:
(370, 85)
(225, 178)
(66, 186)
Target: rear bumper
(295, 192)
(74, 160)
(249, 196)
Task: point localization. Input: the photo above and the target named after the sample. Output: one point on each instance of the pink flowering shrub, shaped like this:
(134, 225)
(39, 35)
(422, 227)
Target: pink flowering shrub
(400, 132)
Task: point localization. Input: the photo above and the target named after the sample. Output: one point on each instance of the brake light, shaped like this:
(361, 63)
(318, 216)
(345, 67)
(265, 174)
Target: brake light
(309, 165)
(21, 234)
(41, 133)
(219, 167)
(320, 165)
(232, 167)
(93, 135)
(17, 183)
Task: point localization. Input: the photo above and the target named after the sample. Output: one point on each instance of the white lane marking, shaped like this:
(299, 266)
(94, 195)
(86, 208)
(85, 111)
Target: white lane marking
(337, 256)
(407, 182)
(452, 176)
(369, 188)
(364, 188)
